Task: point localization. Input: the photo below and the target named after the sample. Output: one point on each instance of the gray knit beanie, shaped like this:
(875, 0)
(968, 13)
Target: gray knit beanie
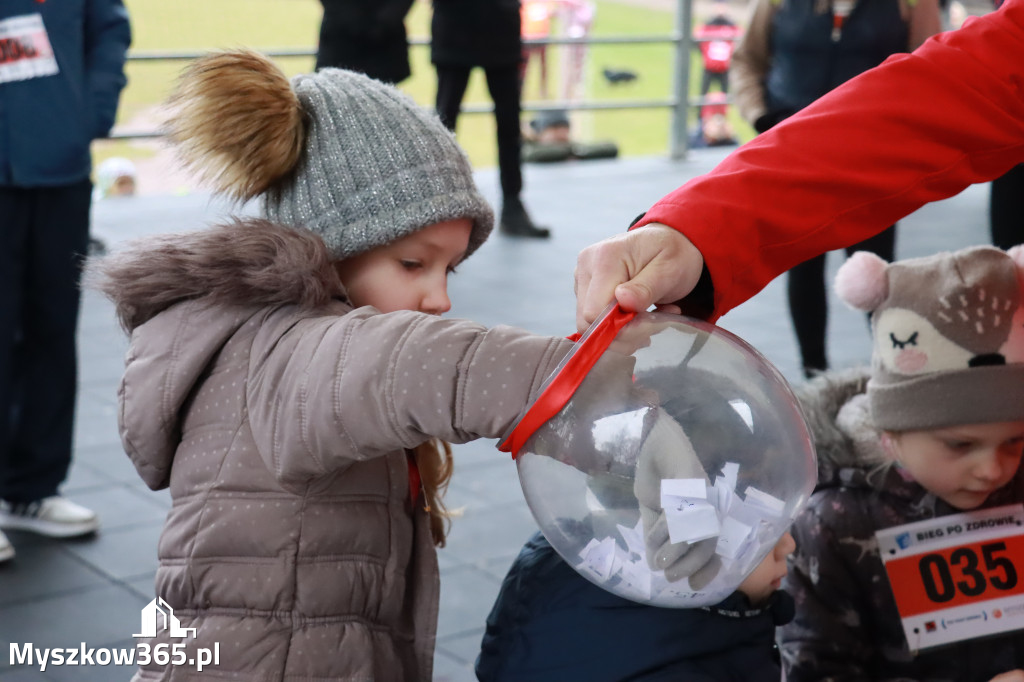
(948, 335)
(352, 159)
(375, 167)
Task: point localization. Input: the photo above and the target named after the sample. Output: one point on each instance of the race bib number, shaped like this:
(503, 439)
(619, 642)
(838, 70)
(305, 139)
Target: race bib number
(25, 50)
(957, 577)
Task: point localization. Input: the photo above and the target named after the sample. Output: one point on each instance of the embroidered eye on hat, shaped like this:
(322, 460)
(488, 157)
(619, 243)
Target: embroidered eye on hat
(947, 334)
(352, 159)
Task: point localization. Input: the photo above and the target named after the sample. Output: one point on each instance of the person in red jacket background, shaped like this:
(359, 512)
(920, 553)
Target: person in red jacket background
(717, 39)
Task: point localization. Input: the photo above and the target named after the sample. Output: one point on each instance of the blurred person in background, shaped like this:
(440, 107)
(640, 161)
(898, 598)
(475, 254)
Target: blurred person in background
(367, 36)
(717, 35)
(60, 81)
(486, 33)
(795, 51)
(536, 24)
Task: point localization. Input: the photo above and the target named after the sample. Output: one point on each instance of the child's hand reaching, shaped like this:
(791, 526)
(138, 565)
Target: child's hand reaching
(667, 453)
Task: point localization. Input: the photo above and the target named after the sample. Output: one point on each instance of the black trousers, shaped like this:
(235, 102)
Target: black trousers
(503, 84)
(44, 233)
(808, 305)
(1006, 208)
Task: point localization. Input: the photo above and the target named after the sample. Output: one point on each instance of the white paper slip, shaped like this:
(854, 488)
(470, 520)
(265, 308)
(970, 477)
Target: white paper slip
(731, 472)
(733, 538)
(694, 521)
(694, 488)
(688, 513)
(764, 502)
(598, 557)
(636, 578)
(723, 494)
(634, 537)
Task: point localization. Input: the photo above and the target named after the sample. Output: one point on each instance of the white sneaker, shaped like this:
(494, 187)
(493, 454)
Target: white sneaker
(6, 548)
(55, 517)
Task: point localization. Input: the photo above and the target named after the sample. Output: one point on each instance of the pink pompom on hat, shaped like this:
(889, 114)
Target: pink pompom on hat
(948, 336)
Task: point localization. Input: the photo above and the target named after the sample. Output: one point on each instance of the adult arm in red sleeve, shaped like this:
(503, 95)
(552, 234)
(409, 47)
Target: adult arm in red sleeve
(919, 128)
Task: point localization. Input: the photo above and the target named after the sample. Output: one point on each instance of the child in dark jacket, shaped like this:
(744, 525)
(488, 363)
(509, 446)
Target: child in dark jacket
(551, 624)
(935, 428)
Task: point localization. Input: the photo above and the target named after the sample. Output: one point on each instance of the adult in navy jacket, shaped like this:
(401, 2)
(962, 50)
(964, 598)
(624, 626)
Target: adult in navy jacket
(61, 74)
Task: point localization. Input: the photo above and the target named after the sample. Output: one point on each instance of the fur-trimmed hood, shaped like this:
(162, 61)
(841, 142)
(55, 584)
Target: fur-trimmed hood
(835, 407)
(250, 262)
(218, 278)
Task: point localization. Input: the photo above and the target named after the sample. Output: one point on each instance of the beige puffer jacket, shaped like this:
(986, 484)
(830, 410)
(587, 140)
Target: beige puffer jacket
(280, 428)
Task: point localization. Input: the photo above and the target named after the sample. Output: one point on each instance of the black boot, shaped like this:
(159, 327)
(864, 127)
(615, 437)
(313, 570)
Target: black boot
(516, 222)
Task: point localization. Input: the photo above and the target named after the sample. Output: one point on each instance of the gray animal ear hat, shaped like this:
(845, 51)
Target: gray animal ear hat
(350, 158)
(948, 335)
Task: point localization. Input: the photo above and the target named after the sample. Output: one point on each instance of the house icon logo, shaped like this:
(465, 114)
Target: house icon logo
(157, 615)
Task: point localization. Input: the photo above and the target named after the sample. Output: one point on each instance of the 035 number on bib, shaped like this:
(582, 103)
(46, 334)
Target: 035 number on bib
(957, 577)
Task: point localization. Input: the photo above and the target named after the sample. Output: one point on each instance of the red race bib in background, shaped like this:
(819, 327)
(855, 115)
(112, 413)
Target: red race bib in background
(25, 50)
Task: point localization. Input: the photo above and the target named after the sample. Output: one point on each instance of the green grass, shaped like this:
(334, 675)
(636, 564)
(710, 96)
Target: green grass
(195, 25)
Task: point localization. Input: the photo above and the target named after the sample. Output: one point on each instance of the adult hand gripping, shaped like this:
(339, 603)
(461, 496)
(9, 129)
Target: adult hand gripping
(666, 453)
(651, 265)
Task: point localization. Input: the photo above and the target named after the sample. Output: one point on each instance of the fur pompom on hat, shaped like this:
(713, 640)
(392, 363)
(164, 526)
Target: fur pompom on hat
(347, 157)
(948, 336)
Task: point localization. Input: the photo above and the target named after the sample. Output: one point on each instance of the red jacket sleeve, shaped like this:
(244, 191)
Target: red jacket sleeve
(919, 128)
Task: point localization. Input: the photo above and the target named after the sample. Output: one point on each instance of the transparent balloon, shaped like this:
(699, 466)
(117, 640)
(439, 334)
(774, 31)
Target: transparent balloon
(674, 467)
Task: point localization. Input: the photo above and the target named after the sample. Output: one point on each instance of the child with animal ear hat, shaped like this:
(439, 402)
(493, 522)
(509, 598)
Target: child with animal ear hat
(290, 378)
(936, 427)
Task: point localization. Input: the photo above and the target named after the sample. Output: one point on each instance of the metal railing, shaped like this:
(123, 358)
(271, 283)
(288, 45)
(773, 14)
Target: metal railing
(678, 102)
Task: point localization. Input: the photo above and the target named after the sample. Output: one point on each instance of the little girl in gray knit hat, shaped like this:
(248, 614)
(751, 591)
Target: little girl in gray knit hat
(935, 428)
(291, 381)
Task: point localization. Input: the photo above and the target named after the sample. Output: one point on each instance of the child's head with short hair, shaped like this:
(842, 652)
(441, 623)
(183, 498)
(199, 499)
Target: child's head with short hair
(356, 161)
(947, 382)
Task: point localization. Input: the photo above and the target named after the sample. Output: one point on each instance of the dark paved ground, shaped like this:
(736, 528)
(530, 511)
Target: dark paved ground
(60, 594)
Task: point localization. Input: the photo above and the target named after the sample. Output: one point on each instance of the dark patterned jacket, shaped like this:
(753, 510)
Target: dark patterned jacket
(846, 625)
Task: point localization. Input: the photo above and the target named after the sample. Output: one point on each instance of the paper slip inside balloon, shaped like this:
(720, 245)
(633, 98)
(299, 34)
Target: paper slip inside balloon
(636, 578)
(598, 557)
(733, 538)
(688, 513)
(764, 502)
(634, 537)
(721, 495)
(730, 472)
